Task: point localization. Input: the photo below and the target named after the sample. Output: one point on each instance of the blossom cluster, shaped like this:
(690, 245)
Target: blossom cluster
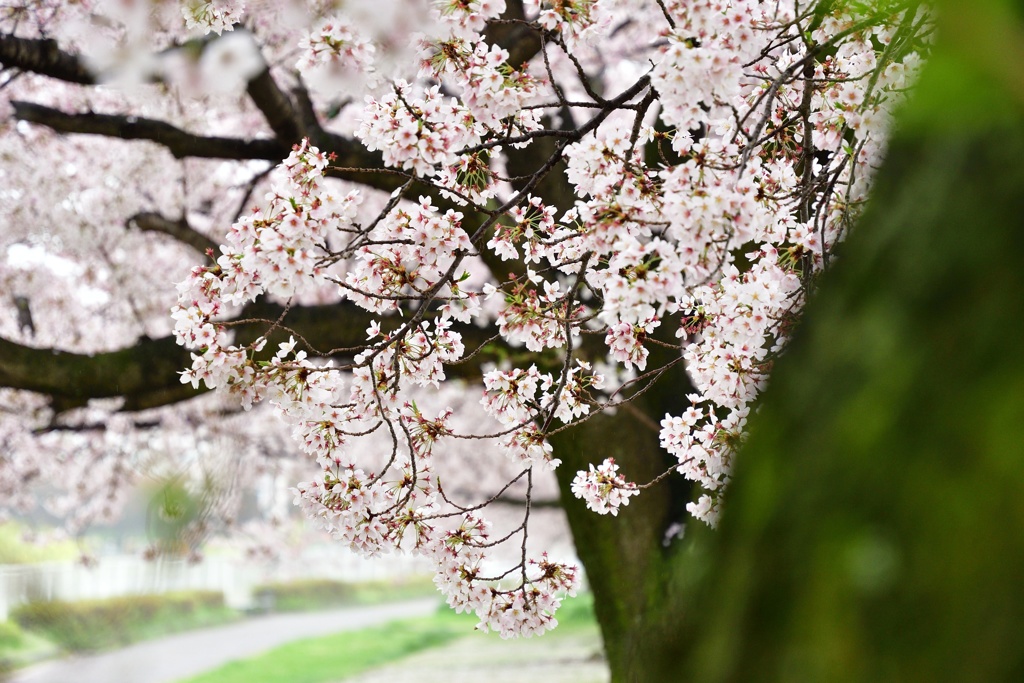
(469, 17)
(394, 505)
(531, 224)
(703, 201)
(414, 249)
(603, 489)
(336, 56)
(212, 15)
(513, 397)
(417, 130)
(272, 251)
(570, 18)
(381, 513)
(495, 91)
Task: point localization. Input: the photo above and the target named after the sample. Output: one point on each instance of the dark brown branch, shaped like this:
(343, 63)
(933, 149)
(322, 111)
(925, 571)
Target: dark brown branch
(305, 113)
(43, 57)
(150, 221)
(94, 427)
(349, 154)
(180, 143)
(46, 58)
(147, 374)
(276, 108)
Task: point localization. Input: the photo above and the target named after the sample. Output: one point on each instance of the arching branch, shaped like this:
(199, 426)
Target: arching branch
(147, 373)
(270, 99)
(150, 221)
(179, 142)
(43, 57)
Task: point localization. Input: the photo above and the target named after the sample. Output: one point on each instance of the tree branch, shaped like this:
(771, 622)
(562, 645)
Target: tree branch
(179, 142)
(276, 107)
(150, 221)
(43, 57)
(147, 374)
(533, 502)
(46, 58)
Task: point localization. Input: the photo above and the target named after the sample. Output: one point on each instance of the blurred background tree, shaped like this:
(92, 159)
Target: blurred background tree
(876, 529)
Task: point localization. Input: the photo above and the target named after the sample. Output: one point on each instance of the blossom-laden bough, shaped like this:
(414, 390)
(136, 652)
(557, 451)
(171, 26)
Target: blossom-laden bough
(620, 188)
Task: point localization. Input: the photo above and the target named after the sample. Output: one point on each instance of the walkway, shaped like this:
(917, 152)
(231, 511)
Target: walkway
(557, 657)
(170, 659)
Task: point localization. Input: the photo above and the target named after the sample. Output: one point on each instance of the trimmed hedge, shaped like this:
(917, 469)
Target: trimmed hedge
(313, 594)
(307, 594)
(97, 624)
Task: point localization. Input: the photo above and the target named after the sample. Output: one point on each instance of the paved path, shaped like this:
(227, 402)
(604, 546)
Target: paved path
(186, 654)
(557, 657)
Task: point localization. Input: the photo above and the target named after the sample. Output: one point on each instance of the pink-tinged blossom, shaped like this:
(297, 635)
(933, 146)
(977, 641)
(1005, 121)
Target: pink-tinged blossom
(414, 252)
(335, 57)
(531, 224)
(626, 342)
(212, 15)
(603, 489)
(571, 18)
(417, 130)
(469, 15)
(705, 204)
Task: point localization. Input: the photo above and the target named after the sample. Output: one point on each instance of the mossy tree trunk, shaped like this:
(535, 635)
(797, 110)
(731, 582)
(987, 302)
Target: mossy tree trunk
(633, 560)
(629, 566)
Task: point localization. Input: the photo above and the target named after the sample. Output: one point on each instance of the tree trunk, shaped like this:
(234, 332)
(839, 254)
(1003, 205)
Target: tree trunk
(627, 565)
(634, 571)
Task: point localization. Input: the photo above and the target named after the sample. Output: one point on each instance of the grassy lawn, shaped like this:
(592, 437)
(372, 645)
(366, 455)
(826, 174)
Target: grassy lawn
(338, 656)
(329, 658)
(18, 648)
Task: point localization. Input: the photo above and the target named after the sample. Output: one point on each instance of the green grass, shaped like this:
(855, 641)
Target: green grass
(18, 647)
(90, 625)
(375, 592)
(338, 656)
(576, 613)
(330, 658)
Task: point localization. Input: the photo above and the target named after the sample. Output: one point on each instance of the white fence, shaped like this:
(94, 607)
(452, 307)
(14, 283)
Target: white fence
(131, 575)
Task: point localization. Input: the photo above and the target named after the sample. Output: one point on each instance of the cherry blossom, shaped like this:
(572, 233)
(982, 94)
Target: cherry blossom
(528, 213)
(603, 488)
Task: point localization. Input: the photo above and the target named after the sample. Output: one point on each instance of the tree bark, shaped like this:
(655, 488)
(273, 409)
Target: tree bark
(634, 565)
(178, 142)
(629, 566)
